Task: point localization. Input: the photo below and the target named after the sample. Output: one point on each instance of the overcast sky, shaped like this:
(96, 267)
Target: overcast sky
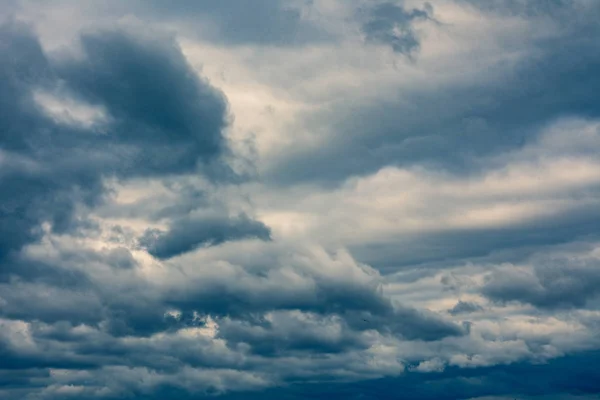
(299, 199)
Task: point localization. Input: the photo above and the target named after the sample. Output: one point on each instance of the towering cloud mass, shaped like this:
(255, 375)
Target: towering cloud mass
(299, 199)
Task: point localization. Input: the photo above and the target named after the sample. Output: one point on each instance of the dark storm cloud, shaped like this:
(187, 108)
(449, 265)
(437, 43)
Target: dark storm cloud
(552, 283)
(101, 348)
(165, 119)
(463, 122)
(188, 234)
(562, 378)
(162, 120)
(124, 304)
(88, 352)
(360, 306)
(408, 323)
(391, 24)
(288, 334)
(30, 190)
(557, 379)
(245, 294)
(444, 248)
(49, 304)
(241, 294)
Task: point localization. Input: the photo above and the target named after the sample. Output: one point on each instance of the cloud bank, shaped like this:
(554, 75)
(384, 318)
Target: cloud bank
(304, 199)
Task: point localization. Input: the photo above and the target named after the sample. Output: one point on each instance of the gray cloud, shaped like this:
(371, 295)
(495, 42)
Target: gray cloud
(119, 323)
(279, 285)
(265, 22)
(87, 313)
(552, 283)
(162, 120)
(519, 240)
(187, 234)
(390, 24)
(466, 121)
(465, 307)
(566, 378)
(243, 22)
(526, 8)
(409, 323)
(33, 187)
(289, 333)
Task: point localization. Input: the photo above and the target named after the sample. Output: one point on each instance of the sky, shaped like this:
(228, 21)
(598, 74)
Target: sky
(299, 199)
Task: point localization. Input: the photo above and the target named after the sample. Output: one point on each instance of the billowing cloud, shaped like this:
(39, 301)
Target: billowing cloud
(160, 119)
(529, 76)
(300, 199)
(568, 280)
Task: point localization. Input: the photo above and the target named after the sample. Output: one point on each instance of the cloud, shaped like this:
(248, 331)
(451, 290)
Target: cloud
(157, 104)
(244, 22)
(554, 281)
(33, 192)
(534, 79)
(465, 307)
(289, 332)
(161, 119)
(390, 24)
(527, 8)
(167, 329)
(420, 217)
(269, 23)
(186, 235)
(555, 380)
(544, 193)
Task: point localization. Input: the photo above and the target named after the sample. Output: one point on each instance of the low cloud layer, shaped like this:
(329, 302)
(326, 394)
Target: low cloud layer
(305, 199)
